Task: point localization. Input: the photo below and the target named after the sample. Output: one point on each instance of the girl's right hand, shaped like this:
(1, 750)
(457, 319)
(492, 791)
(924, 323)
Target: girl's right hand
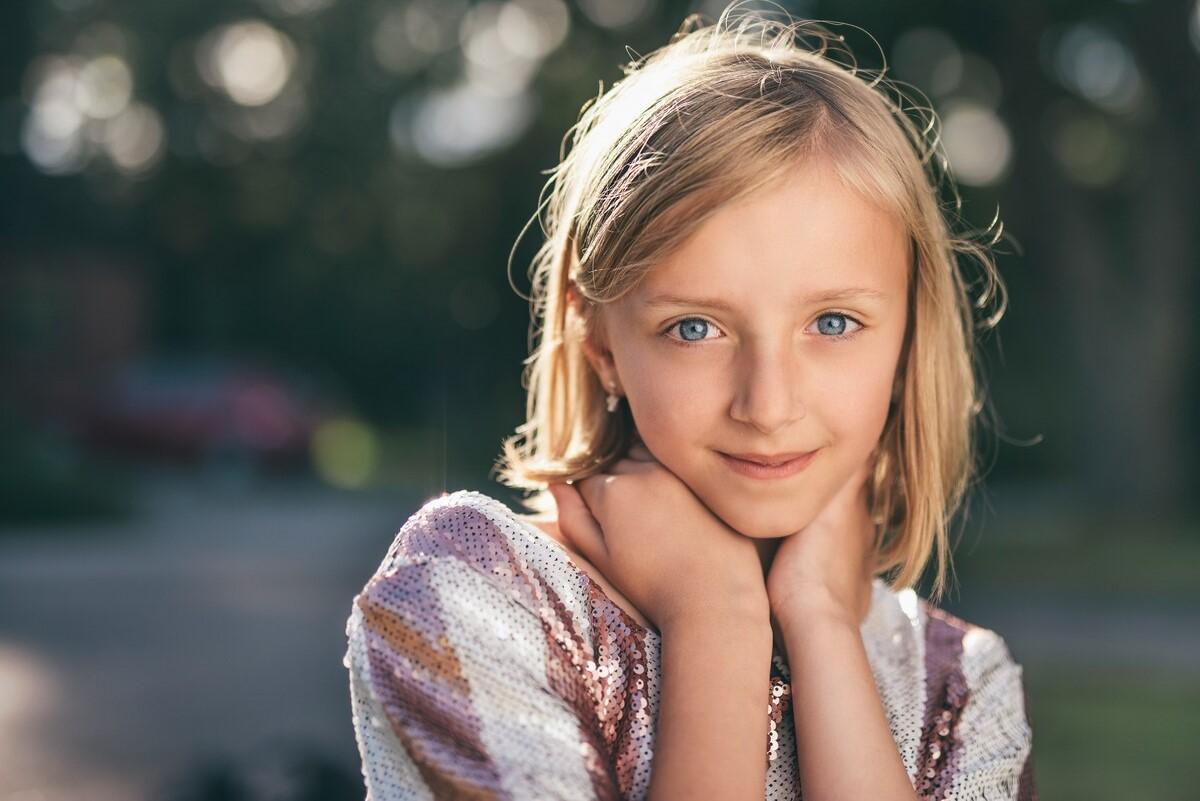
(659, 545)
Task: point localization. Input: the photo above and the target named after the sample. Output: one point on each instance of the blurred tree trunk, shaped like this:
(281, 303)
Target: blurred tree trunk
(1124, 259)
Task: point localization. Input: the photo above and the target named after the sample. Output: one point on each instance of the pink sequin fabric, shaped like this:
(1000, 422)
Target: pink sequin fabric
(484, 664)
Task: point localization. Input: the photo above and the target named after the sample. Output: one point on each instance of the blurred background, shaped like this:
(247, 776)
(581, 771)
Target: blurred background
(255, 309)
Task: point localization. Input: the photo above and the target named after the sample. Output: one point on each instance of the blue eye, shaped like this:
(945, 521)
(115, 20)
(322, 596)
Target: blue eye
(694, 327)
(837, 331)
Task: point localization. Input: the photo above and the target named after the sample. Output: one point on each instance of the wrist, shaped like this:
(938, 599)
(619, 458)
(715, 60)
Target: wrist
(736, 622)
(816, 606)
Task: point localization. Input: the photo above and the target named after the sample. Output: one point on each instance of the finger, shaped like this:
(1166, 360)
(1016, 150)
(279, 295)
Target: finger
(590, 487)
(577, 524)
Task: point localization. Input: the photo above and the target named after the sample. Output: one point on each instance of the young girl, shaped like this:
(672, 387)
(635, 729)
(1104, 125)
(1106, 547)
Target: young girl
(752, 401)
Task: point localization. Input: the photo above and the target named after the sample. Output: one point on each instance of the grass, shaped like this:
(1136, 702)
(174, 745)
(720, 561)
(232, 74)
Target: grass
(1139, 557)
(1115, 735)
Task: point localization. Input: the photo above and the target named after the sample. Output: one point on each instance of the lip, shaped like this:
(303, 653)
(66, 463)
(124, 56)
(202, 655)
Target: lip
(756, 470)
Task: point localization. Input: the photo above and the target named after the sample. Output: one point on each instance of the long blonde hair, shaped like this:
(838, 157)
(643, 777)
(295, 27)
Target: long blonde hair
(722, 110)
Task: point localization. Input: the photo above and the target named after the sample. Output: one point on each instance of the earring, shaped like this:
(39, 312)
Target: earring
(612, 400)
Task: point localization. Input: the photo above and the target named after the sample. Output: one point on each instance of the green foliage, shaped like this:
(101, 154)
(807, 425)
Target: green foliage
(46, 478)
(1110, 736)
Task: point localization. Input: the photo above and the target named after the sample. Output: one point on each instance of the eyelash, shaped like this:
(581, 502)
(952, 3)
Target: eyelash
(692, 343)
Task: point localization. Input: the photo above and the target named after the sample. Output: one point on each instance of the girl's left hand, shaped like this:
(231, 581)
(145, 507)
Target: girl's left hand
(821, 568)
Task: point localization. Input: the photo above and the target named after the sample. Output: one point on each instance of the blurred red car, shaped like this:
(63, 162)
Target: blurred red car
(203, 412)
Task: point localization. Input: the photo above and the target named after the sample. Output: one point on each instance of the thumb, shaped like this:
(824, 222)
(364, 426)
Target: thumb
(577, 524)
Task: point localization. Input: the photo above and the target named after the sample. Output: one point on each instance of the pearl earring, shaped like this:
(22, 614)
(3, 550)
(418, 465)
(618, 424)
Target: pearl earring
(612, 400)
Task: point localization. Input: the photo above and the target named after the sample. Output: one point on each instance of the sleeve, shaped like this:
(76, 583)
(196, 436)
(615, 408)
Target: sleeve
(991, 753)
(451, 695)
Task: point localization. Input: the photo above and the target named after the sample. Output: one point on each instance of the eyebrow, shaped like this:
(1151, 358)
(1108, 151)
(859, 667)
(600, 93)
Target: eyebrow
(847, 293)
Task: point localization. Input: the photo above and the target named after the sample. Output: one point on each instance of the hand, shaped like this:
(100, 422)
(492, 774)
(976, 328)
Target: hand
(658, 544)
(822, 566)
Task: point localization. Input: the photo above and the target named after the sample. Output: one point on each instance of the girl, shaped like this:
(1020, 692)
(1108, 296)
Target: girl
(751, 402)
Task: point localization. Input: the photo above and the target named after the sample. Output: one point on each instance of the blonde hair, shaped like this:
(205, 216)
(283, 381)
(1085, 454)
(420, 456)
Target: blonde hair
(721, 111)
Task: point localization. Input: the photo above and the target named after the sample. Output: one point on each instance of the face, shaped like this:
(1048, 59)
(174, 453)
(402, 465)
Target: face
(746, 356)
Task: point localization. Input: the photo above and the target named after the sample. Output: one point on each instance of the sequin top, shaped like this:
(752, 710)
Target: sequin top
(484, 663)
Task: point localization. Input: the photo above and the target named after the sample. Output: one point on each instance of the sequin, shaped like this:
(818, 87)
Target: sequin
(484, 663)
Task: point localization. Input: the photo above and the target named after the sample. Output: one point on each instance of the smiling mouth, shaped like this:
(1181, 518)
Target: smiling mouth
(755, 469)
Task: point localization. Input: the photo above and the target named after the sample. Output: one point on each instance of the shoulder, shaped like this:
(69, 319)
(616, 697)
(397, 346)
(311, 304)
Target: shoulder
(461, 665)
(976, 716)
(953, 653)
(954, 643)
(466, 526)
(455, 571)
(972, 674)
(467, 544)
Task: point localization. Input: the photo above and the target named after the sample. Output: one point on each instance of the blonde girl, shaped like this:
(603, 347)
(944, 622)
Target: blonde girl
(750, 417)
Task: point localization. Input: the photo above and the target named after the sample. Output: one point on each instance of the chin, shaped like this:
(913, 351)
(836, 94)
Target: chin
(767, 532)
(762, 527)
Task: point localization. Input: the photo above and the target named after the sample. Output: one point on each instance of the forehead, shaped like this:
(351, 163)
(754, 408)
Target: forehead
(806, 235)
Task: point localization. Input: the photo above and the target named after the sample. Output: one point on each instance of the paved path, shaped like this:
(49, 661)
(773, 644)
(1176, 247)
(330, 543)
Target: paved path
(214, 625)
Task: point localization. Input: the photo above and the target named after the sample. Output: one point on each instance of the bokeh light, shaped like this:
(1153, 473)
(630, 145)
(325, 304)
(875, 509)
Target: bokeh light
(1194, 26)
(617, 13)
(929, 58)
(458, 125)
(134, 138)
(50, 134)
(1093, 63)
(250, 61)
(503, 44)
(1087, 145)
(976, 141)
(404, 37)
(345, 453)
(296, 8)
(104, 87)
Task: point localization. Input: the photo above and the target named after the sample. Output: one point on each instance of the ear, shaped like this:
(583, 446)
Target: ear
(594, 341)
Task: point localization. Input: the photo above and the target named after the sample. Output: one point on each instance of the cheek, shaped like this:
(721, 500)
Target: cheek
(666, 422)
(671, 405)
(852, 397)
(857, 414)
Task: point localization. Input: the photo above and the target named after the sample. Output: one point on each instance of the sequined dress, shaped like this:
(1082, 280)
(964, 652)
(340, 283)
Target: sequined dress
(484, 663)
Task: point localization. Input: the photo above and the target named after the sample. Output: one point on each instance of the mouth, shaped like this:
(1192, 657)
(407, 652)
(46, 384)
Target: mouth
(776, 469)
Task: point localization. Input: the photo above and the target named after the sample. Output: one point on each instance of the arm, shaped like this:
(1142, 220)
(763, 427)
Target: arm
(843, 743)
(451, 696)
(711, 738)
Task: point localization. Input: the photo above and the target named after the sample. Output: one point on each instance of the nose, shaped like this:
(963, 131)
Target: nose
(766, 396)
